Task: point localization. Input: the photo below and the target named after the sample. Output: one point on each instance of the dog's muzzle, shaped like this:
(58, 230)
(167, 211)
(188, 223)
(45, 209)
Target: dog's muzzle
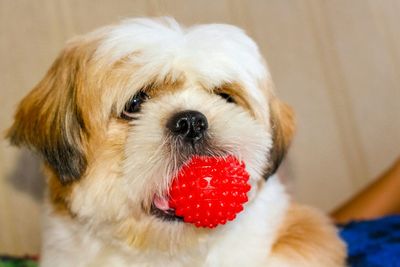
(190, 125)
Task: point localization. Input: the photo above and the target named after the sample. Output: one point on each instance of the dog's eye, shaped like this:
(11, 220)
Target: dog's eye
(227, 97)
(133, 105)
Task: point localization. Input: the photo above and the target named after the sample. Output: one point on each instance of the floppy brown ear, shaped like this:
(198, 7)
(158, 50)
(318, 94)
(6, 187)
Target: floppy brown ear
(283, 126)
(48, 120)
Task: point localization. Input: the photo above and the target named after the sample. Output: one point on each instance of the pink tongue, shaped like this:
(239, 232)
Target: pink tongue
(161, 203)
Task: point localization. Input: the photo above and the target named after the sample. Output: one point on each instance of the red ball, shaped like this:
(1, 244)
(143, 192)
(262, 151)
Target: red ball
(209, 191)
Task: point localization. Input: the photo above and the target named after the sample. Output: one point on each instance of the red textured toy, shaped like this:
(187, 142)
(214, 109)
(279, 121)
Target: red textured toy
(209, 191)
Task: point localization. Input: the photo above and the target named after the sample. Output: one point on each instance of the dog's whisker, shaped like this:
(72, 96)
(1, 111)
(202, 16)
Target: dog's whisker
(157, 151)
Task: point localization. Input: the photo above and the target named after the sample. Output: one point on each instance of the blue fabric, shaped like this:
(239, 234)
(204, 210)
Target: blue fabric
(373, 243)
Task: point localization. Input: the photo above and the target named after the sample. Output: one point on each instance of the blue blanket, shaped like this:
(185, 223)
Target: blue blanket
(373, 243)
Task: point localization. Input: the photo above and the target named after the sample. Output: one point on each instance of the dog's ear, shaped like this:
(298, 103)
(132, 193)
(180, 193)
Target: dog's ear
(282, 129)
(49, 120)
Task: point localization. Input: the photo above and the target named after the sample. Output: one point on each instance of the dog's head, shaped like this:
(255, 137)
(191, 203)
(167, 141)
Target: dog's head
(122, 108)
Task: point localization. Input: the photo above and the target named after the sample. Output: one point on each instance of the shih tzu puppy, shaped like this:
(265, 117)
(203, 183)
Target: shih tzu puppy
(107, 120)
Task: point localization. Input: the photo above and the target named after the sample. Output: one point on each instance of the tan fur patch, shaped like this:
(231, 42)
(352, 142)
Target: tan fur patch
(59, 194)
(238, 94)
(52, 119)
(166, 85)
(283, 127)
(307, 238)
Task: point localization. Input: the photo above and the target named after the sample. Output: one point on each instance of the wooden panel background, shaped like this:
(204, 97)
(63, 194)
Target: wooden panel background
(336, 62)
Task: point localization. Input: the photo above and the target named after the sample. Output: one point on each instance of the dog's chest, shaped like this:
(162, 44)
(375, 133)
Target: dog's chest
(245, 241)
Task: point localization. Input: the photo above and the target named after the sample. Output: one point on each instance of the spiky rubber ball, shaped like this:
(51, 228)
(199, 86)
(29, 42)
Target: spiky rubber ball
(209, 191)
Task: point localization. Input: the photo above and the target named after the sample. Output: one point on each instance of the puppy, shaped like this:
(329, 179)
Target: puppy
(99, 119)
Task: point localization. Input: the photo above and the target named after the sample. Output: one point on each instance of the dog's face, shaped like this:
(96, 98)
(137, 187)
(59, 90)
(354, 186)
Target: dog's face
(123, 108)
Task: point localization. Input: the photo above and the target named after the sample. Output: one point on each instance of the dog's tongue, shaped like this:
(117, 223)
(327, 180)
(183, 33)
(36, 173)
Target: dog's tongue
(209, 191)
(161, 203)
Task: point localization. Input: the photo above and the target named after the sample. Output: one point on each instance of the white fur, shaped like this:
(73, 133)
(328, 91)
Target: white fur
(247, 241)
(206, 54)
(243, 242)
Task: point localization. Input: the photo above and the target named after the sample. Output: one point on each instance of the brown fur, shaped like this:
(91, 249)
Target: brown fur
(165, 86)
(238, 94)
(283, 127)
(282, 124)
(54, 121)
(307, 238)
(59, 194)
(50, 120)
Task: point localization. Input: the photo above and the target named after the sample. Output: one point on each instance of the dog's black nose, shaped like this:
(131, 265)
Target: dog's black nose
(188, 124)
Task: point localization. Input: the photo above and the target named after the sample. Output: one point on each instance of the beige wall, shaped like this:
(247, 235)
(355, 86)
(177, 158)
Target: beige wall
(336, 62)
